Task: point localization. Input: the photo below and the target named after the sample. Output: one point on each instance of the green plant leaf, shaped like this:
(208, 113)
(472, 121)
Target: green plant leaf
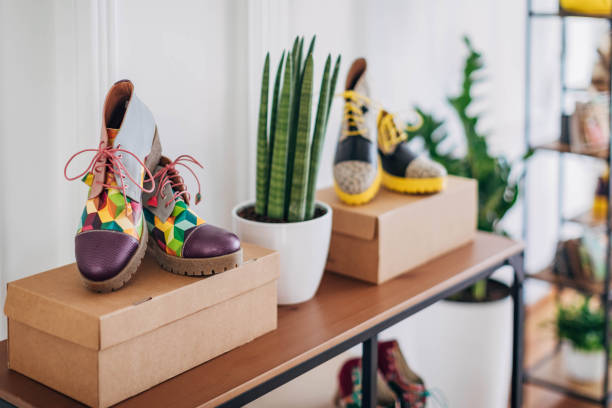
(332, 86)
(297, 202)
(311, 46)
(261, 191)
(582, 325)
(497, 191)
(275, 97)
(318, 140)
(295, 108)
(278, 170)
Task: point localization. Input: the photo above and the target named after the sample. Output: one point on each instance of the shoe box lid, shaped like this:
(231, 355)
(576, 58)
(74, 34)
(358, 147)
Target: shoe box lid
(366, 221)
(57, 303)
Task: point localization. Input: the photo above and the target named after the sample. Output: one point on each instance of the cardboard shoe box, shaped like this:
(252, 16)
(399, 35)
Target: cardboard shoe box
(103, 348)
(397, 232)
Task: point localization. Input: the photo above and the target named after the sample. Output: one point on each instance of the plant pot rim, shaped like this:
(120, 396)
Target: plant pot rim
(278, 225)
(483, 302)
(579, 350)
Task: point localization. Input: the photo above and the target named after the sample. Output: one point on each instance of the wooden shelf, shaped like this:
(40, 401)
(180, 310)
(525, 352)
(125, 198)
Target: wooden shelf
(587, 219)
(342, 309)
(551, 373)
(557, 146)
(582, 286)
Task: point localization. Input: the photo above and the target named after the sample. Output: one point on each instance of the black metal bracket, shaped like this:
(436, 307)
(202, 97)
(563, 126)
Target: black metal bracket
(369, 364)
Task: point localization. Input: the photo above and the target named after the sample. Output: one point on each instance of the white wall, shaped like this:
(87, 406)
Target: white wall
(197, 65)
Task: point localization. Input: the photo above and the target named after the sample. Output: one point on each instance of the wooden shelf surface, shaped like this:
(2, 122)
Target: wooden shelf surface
(565, 148)
(583, 286)
(342, 308)
(551, 371)
(588, 219)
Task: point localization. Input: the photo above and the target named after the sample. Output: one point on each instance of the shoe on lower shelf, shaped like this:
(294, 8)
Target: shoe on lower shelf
(406, 384)
(349, 388)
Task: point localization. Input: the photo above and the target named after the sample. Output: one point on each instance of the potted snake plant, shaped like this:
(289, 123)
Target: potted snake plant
(290, 138)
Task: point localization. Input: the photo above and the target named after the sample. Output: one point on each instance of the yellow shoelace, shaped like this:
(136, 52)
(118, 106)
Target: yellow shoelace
(353, 113)
(389, 135)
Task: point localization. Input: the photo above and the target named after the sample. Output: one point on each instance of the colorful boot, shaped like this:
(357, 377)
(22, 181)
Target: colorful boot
(349, 388)
(357, 173)
(111, 240)
(180, 240)
(404, 171)
(406, 384)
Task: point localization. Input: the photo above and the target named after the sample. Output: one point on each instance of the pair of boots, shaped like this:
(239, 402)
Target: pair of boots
(138, 202)
(364, 161)
(397, 385)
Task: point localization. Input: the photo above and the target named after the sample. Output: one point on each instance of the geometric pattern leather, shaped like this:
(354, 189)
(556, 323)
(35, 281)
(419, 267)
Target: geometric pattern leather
(108, 211)
(171, 234)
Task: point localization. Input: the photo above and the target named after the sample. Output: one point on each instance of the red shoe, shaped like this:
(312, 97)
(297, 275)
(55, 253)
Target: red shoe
(349, 388)
(406, 384)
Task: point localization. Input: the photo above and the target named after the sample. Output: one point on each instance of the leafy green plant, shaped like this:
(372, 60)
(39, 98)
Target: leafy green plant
(497, 191)
(582, 325)
(288, 152)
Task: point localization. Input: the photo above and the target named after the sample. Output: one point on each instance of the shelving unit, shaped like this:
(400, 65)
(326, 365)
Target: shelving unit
(549, 372)
(565, 148)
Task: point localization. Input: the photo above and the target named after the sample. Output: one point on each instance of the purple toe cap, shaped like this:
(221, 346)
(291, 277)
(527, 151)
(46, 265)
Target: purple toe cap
(102, 254)
(206, 241)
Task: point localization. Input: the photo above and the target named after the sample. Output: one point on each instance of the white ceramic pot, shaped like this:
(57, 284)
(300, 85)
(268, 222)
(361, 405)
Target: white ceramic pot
(583, 366)
(463, 350)
(303, 248)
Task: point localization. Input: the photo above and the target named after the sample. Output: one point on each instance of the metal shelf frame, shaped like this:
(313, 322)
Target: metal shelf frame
(605, 298)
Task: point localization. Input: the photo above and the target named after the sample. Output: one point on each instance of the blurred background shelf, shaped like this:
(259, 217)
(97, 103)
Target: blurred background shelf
(587, 219)
(588, 287)
(558, 146)
(549, 372)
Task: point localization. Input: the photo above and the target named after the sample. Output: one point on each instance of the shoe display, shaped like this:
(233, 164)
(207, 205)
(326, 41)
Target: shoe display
(357, 174)
(182, 242)
(590, 7)
(402, 170)
(349, 388)
(600, 201)
(407, 385)
(111, 241)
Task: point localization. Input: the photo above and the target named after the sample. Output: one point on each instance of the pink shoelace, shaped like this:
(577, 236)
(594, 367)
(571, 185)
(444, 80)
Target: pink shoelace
(109, 158)
(170, 175)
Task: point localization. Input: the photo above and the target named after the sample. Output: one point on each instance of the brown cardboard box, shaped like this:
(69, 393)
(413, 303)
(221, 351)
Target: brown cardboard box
(102, 348)
(395, 232)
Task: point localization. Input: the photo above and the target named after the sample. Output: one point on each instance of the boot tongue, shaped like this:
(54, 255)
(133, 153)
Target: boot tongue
(108, 176)
(154, 201)
(112, 134)
(361, 86)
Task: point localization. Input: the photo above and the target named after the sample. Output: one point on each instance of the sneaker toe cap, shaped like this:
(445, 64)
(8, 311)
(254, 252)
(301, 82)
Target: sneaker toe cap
(101, 255)
(423, 167)
(353, 176)
(206, 241)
